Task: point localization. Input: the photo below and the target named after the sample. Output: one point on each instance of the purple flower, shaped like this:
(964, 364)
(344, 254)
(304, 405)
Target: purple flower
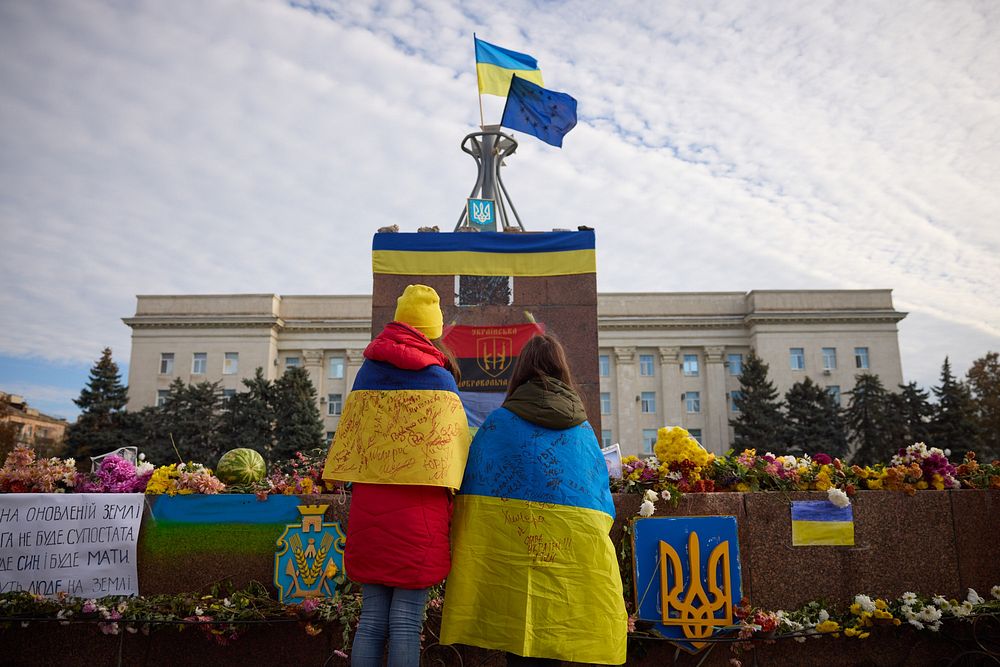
(822, 459)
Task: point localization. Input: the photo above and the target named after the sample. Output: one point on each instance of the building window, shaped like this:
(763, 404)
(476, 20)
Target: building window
(161, 397)
(648, 402)
(335, 368)
(605, 403)
(692, 401)
(606, 438)
(199, 363)
(603, 365)
(231, 364)
(334, 403)
(648, 440)
(861, 357)
(291, 362)
(797, 358)
(834, 391)
(166, 363)
(228, 393)
(691, 364)
(735, 396)
(646, 364)
(829, 358)
(696, 434)
(329, 436)
(735, 363)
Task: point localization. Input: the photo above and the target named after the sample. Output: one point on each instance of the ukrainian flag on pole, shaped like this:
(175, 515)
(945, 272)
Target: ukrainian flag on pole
(495, 65)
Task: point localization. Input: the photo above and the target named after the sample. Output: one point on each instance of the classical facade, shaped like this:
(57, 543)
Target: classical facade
(664, 358)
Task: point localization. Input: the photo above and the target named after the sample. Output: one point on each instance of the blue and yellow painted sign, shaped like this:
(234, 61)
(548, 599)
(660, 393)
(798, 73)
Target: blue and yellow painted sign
(687, 576)
(821, 523)
(309, 561)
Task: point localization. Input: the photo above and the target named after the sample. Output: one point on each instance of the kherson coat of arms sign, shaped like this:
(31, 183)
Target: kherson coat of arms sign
(687, 576)
(309, 560)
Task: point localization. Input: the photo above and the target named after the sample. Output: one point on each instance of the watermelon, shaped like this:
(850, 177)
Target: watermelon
(241, 467)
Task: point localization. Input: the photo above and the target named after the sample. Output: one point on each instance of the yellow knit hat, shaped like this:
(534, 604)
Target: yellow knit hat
(420, 307)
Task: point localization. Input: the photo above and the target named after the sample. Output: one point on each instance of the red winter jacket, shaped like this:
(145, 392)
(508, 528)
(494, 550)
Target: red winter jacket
(397, 535)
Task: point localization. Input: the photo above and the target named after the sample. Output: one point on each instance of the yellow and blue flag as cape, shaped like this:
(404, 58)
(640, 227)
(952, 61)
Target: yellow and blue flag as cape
(401, 427)
(484, 254)
(821, 523)
(533, 569)
(495, 65)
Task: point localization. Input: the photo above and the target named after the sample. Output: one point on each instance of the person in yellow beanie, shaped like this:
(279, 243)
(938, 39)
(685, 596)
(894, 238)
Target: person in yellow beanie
(402, 441)
(420, 307)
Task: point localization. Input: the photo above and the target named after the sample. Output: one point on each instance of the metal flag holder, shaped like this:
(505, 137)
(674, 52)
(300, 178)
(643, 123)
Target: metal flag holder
(489, 148)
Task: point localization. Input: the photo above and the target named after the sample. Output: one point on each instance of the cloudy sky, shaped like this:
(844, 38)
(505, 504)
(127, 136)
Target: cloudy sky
(189, 147)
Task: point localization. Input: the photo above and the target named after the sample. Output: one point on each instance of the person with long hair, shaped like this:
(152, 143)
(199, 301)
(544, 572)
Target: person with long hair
(534, 572)
(402, 441)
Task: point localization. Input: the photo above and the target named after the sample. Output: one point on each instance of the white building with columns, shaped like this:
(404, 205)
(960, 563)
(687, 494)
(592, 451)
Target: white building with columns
(664, 358)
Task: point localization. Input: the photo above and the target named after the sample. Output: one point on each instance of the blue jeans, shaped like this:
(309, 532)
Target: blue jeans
(396, 613)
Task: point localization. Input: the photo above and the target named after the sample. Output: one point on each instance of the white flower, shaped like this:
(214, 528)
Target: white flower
(823, 615)
(837, 497)
(144, 467)
(864, 602)
(227, 602)
(995, 592)
(929, 614)
(651, 496)
(909, 599)
(142, 456)
(973, 597)
(198, 611)
(940, 601)
(674, 475)
(665, 494)
(647, 508)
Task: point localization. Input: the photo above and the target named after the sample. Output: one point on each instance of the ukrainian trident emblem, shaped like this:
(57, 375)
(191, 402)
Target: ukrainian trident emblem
(687, 576)
(309, 560)
(493, 354)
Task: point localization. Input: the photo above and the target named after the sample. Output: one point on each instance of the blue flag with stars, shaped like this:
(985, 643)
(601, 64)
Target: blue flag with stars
(546, 114)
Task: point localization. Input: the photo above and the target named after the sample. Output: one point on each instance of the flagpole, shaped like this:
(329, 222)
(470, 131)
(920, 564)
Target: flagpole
(479, 88)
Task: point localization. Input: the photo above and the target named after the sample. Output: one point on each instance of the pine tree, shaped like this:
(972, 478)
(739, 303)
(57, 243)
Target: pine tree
(984, 382)
(185, 425)
(915, 411)
(298, 425)
(954, 424)
(760, 424)
(248, 418)
(813, 423)
(102, 406)
(866, 418)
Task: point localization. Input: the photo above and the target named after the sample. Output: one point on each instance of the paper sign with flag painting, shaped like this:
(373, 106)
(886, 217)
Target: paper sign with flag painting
(546, 114)
(495, 65)
(821, 523)
(486, 356)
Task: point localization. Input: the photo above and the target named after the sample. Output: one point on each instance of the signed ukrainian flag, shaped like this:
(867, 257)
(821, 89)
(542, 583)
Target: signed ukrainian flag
(533, 569)
(821, 523)
(484, 254)
(401, 427)
(495, 65)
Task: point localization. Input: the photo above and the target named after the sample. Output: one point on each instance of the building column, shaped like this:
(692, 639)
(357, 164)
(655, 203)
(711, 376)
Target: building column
(624, 395)
(312, 361)
(670, 372)
(714, 404)
(352, 364)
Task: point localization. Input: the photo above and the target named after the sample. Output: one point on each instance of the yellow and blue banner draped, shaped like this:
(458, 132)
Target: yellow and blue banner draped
(820, 522)
(533, 569)
(401, 427)
(495, 65)
(484, 254)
